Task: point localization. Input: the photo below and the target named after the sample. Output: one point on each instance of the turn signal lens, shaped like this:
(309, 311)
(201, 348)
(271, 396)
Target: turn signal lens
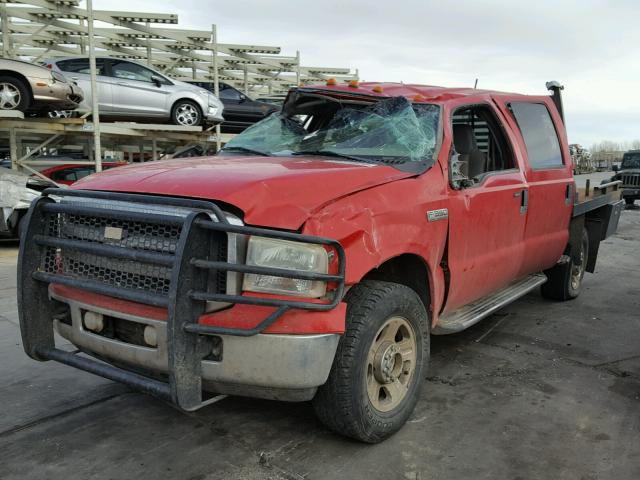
(378, 89)
(354, 83)
(331, 82)
(419, 98)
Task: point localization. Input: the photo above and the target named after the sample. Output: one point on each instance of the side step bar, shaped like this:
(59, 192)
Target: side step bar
(474, 312)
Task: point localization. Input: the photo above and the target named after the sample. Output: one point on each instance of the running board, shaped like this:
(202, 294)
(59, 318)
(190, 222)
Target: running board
(472, 313)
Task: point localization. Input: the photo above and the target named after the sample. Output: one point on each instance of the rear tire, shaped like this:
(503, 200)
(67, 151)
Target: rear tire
(564, 281)
(14, 94)
(380, 363)
(629, 201)
(186, 113)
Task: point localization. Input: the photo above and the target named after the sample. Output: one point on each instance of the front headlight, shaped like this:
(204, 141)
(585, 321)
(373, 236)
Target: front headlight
(285, 254)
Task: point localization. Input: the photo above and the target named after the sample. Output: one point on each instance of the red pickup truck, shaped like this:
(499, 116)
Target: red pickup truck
(315, 255)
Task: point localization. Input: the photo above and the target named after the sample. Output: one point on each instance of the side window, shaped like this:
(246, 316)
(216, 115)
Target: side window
(131, 71)
(229, 93)
(540, 136)
(68, 175)
(480, 145)
(84, 172)
(81, 65)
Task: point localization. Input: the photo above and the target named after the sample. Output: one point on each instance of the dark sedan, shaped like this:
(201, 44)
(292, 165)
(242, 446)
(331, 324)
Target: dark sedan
(240, 110)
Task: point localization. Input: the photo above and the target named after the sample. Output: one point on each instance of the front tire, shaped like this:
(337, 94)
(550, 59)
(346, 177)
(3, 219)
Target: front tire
(629, 201)
(380, 363)
(14, 94)
(564, 281)
(186, 113)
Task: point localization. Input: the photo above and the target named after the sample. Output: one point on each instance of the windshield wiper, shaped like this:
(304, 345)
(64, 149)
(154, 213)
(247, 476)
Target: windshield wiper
(331, 153)
(238, 148)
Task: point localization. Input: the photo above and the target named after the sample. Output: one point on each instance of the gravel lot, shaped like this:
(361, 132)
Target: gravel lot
(540, 390)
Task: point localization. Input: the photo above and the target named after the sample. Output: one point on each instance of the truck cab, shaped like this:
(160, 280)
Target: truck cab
(629, 175)
(316, 254)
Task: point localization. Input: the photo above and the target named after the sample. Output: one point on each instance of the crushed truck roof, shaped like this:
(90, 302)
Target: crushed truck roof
(414, 92)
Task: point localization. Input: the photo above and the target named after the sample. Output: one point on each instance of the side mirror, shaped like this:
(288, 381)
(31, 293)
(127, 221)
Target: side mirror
(615, 168)
(243, 98)
(157, 80)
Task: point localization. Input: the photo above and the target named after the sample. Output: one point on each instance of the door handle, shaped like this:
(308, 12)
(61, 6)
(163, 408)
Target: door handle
(524, 200)
(517, 194)
(122, 83)
(568, 193)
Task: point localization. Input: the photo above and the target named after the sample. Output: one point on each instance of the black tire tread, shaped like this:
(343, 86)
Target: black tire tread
(333, 402)
(557, 286)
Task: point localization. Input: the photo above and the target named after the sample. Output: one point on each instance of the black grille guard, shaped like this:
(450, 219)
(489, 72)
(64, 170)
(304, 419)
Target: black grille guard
(187, 296)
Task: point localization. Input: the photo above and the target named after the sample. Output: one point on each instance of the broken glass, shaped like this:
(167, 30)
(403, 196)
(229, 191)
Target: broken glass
(392, 131)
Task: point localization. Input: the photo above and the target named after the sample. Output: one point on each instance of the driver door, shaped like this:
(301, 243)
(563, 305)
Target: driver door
(487, 206)
(134, 93)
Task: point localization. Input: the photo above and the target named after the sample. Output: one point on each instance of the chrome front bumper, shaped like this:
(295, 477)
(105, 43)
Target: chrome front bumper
(282, 367)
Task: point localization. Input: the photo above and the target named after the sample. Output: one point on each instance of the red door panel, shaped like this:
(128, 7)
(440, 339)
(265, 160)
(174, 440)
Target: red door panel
(551, 190)
(486, 229)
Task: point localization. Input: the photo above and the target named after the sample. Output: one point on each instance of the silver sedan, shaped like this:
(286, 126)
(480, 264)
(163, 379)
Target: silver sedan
(129, 90)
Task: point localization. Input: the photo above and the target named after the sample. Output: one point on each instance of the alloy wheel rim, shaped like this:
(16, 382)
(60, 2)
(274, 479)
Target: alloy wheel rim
(187, 114)
(391, 364)
(10, 96)
(577, 270)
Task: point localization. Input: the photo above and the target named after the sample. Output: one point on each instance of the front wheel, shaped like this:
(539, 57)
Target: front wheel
(564, 281)
(380, 363)
(629, 201)
(187, 113)
(14, 94)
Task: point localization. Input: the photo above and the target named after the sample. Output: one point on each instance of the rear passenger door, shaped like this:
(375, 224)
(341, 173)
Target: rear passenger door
(548, 173)
(487, 205)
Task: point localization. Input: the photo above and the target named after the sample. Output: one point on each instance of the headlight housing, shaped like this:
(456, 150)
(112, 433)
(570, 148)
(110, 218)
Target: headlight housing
(58, 77)
(288, 255)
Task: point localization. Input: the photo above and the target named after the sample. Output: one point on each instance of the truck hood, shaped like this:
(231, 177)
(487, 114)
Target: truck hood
(279, 192)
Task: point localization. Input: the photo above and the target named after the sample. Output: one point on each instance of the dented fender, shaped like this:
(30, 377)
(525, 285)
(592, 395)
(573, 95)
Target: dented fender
(384, 222)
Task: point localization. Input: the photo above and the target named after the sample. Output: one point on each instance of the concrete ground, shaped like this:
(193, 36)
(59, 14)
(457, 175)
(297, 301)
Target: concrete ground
(541, 390)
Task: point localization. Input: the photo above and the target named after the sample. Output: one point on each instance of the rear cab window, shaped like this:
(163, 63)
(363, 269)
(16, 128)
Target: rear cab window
(539, 134)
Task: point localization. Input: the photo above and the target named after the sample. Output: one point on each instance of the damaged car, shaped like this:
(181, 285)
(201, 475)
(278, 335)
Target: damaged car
(316, 255)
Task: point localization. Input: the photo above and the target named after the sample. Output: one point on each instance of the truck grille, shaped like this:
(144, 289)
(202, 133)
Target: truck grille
(631, 180)
(130, 235)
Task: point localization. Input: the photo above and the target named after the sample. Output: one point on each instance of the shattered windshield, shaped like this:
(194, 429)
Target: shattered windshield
(393, 131)
(630, 160)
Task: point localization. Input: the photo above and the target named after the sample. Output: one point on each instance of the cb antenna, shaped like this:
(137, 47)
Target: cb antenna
(475, 85)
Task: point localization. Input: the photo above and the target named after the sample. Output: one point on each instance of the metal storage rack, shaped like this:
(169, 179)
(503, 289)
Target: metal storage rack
(37, 29)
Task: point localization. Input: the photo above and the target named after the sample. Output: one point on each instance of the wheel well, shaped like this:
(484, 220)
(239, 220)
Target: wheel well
(406, 269)
(18, 76)
(191, 100)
